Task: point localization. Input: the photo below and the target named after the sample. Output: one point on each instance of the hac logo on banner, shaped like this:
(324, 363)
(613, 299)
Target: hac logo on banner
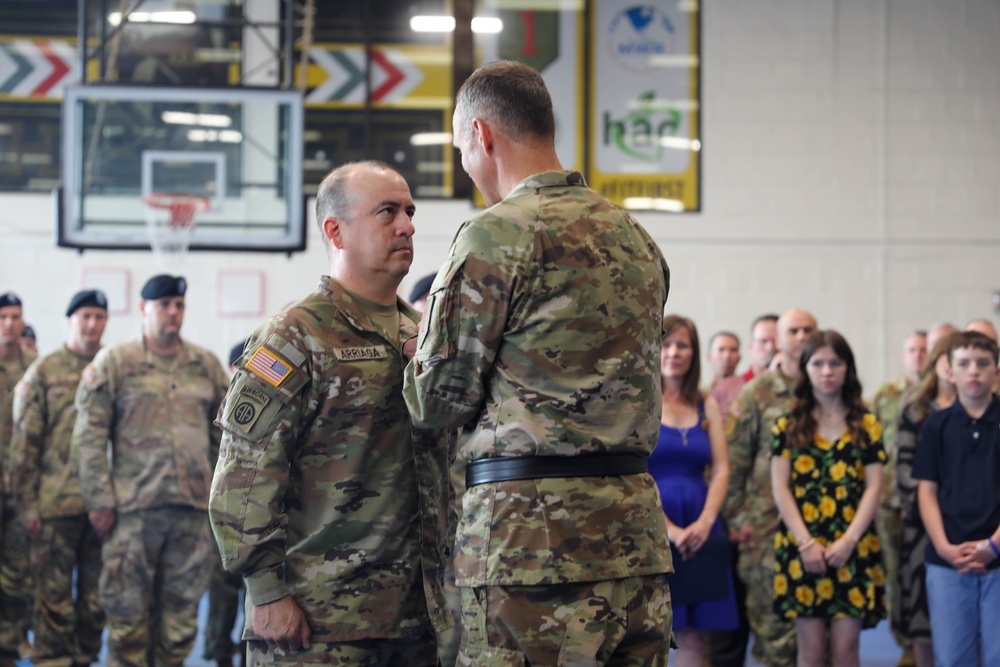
(638, 33)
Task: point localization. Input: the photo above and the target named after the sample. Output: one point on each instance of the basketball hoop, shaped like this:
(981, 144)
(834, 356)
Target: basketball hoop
(170, 221)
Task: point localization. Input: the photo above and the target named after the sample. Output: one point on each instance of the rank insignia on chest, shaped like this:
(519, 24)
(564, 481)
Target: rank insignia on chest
(361, 353)
(268, 366)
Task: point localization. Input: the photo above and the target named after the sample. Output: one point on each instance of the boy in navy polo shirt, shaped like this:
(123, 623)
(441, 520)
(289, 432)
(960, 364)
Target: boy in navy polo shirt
(958, 465)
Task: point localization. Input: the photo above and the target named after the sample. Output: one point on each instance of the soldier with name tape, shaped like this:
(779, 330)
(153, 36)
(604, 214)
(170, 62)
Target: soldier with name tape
(65, 549)
(325, 498)
(145, 441)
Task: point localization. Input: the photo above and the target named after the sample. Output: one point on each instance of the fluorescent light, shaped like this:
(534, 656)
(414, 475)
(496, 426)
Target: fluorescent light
(183, 17)
(487, 25)
(680, 143)
(432, 24)
(654, 203)
(480, 24)
(203, 119)
(433, 167)
(431, 139)
(225, 136)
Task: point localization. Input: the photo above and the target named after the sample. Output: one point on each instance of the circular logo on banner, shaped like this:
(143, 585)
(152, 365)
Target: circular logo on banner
(639, 33)
(244, 413)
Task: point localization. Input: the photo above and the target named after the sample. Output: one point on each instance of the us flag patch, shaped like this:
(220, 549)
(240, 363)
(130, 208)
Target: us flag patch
(268, 366)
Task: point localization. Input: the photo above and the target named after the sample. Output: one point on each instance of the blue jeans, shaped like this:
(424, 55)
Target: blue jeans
(965, 610)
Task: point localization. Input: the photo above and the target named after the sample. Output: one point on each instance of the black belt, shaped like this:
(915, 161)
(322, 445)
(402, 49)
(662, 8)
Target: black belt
(510, 468)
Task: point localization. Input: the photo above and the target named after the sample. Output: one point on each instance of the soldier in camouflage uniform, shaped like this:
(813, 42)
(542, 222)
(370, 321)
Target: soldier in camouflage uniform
(324, 498)
(885, 404)
(154, 399)
(749, 509)
(67, 622)
(15, 572)
(541, 340)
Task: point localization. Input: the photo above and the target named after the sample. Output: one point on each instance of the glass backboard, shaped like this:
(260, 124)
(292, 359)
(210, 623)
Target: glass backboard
(239, 147)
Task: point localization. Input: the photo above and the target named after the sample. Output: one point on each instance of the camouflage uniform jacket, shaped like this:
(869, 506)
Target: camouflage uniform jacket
(316, 490)
(11, 371)
(542, 337)
(157, 413)
(886, 404)
(45, 480)
(752, 415)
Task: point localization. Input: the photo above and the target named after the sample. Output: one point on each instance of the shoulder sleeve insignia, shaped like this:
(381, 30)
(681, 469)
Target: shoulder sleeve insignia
(23, 390)
(268, 366)
(91, 376)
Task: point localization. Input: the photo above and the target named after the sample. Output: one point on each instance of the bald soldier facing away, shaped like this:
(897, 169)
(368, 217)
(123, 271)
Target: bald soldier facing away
(324, 498)
(542, 341)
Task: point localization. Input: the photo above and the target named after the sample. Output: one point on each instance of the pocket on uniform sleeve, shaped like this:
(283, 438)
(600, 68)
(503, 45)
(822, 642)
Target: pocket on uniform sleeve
(439, 326)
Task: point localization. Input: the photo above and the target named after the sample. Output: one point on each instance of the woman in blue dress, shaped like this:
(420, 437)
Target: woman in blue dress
(691, 440)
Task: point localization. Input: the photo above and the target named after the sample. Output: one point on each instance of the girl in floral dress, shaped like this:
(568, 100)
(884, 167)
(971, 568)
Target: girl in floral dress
(826, 473)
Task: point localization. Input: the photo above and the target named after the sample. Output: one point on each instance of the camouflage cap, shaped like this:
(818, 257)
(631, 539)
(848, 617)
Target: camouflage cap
(92, 298)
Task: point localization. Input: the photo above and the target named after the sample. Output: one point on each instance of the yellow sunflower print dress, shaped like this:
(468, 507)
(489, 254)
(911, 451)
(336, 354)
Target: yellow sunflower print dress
(828, 480)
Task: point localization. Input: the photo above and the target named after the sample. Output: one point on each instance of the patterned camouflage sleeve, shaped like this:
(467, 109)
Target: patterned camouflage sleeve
(89, 446)
(259, 424)
(742, 434)
(221, 382)
(26, 443)
(467, 311)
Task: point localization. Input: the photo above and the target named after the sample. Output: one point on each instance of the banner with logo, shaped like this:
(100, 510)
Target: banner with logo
(644, 103)
(551, 41)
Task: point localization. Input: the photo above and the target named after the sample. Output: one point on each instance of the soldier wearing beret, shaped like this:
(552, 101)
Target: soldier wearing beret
(67, 626)
(541, 341)
(15, 575)
(154, 400)
(324, 498)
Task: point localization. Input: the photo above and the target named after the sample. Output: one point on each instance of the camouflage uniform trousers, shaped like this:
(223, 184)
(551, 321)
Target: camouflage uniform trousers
(621, 622)
(16, 584)
(223, 607)
(889, 524)
(774, 637)
(67, 627)
(403, 652)
(156, 567)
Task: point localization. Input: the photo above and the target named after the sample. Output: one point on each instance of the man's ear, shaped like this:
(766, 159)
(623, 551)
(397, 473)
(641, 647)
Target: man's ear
(332, 231)
(483, 134)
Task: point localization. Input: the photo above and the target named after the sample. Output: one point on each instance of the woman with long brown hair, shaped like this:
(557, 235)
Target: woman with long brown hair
(934, 392)
(691, 438)
(826, 475)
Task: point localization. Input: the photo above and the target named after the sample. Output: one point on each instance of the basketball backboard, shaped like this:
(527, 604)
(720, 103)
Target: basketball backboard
(239, 147)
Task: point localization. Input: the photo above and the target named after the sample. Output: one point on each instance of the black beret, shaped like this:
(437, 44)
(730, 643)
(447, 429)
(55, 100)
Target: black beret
(28, 332)
(422, 287)
(162, 286)
(9, 299)
(93, 298)
(236, 353)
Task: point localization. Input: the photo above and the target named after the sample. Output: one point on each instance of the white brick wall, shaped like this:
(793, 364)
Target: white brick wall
(851, 167)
